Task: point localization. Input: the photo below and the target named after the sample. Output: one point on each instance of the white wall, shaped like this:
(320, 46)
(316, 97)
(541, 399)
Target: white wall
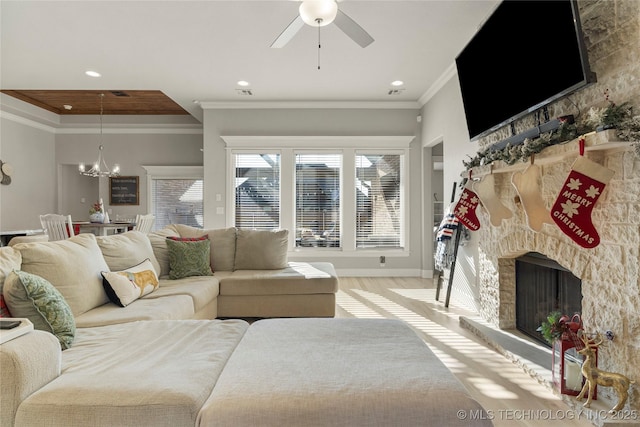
(130, 151)
(319, 122)
(33, 188)
(443, 120)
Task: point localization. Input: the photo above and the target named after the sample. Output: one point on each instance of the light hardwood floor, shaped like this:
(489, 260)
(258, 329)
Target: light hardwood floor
(511, 396)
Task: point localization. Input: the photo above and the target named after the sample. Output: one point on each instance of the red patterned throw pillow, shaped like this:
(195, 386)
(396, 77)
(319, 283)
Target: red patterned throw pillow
(4, 310)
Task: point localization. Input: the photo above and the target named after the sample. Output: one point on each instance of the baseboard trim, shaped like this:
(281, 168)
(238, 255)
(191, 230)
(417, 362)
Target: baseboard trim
(381, 272)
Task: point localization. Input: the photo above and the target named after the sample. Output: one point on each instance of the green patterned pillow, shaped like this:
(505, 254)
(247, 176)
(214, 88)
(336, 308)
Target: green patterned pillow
(33, 297)
(189, 258)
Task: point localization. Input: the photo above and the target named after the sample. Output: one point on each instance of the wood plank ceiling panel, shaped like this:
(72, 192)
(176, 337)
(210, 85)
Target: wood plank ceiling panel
(116, 102)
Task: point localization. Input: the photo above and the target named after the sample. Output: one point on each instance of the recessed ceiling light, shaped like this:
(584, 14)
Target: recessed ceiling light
(92, 73)
(243, 83)
(397, 83)
(67, 106)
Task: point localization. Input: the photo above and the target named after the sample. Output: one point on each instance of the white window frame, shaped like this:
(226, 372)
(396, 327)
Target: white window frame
(348, 146)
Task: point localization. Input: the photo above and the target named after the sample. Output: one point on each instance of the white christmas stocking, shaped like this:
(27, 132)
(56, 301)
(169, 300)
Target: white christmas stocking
(527, 184)
(486, 190)
(577, 197)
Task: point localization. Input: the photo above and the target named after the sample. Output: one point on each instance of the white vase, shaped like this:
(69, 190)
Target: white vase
(96, 217)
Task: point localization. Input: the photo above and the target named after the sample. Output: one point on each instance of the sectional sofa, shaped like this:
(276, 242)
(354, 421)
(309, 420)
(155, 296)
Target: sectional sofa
(104, 355)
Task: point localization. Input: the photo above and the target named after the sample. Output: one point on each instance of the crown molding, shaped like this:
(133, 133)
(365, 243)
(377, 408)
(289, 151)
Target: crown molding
(27, 122)
(255, 105)
(159, 129)
(438, 84)
(378, 142)
(129, 129)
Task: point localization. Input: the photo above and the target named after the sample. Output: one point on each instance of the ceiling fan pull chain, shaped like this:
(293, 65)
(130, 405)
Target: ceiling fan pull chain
(319, 45)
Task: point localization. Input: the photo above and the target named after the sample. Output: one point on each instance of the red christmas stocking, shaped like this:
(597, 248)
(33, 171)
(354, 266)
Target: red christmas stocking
(465, 209)
(574, 204)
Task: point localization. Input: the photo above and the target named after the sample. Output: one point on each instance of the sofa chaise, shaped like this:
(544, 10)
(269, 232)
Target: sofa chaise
(102, 357)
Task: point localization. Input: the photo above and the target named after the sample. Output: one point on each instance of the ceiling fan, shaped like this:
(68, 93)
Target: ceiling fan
(318, 13)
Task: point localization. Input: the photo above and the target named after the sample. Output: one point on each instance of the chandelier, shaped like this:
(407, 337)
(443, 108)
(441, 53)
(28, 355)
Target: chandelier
(100, 167)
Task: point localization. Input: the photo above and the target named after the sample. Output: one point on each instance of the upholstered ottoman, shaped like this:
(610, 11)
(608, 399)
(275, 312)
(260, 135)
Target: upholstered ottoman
(335, 372)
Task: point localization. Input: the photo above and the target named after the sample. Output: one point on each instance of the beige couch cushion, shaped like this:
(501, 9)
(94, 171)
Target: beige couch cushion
(223, 244)
(27, 363)
(297, 278)
(156, 373)
(261, 249)
(202, 289)
(175, 307)
(73, 266)
(159, 245)
(10, 259)
(122, 251)
(336, 372)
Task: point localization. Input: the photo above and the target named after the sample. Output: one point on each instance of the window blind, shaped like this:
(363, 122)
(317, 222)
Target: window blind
(318, 200)
(177, 201)
(378, 201)
(257, 191)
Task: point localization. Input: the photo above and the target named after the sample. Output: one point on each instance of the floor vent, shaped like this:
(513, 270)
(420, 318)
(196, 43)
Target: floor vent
(119, 93)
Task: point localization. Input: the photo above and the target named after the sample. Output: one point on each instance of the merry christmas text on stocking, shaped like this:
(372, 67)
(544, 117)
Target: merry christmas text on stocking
(576, 199)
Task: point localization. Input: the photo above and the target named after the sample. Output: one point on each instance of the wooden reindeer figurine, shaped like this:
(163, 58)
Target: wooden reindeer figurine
(594, 376)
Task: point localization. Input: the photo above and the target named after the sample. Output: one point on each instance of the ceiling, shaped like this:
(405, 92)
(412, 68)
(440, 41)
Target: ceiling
(194, 52)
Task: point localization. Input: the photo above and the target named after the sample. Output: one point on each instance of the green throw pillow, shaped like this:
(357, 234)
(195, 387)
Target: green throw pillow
(33, 297)
(189, 258)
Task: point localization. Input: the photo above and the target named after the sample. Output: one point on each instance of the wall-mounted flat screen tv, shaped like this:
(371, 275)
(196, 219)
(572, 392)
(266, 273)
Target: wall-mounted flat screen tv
(527, 54)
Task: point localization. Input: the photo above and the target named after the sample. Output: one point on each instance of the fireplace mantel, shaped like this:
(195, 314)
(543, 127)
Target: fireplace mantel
(594, 141)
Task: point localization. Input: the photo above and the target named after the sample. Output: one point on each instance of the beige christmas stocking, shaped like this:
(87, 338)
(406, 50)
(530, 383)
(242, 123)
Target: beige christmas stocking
(486, 190)
(527, 184)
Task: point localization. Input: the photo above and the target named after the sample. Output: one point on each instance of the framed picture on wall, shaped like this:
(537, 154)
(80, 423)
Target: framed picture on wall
(124, 190)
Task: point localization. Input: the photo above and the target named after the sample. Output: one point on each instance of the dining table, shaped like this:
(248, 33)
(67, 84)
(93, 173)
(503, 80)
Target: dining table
(102, 228)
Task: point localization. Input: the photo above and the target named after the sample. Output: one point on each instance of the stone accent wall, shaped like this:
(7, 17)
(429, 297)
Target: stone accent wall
(612, 37)
(609, 272)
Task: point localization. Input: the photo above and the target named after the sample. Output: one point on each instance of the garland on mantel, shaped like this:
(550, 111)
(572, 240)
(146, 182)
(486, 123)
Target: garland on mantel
(613, 116)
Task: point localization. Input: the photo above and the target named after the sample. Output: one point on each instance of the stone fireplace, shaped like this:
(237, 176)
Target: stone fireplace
(609, 273)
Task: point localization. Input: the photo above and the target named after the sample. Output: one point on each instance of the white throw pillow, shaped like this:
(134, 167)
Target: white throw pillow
(124, 287)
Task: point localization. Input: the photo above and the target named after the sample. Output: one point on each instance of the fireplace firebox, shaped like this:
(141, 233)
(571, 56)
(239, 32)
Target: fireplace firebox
(543, 286)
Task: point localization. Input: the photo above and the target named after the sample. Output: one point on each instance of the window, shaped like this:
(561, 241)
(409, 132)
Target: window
(344, 194)
(177, 201)
(318, 200)
(257, 191)
(379, 201)
(175, 195)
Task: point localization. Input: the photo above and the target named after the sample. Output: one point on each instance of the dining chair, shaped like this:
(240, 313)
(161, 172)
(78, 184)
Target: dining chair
(144, 223)
(57, 227)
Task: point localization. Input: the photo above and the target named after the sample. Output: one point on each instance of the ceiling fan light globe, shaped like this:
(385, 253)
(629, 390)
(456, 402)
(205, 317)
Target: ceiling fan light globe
(318, 13)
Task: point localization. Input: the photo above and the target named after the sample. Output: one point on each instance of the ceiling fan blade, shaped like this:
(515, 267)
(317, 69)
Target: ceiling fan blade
(352, 29)
(288, 32)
